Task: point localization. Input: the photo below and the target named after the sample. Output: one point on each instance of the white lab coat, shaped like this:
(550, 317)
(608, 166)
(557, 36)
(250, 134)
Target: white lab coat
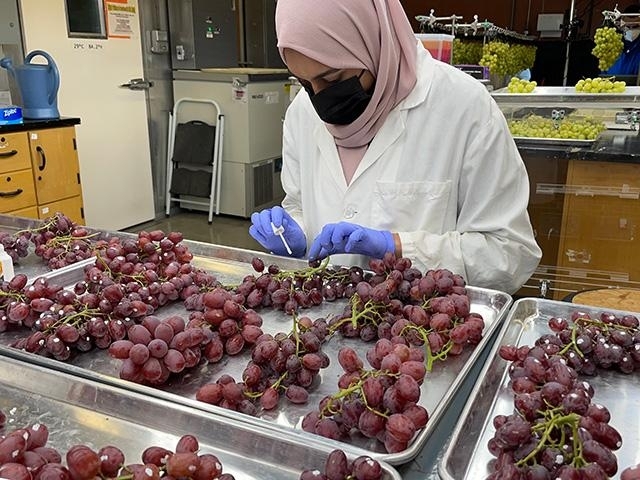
(443, 172)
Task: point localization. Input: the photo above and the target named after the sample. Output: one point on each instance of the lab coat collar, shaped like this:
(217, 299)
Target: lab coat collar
(425, 66)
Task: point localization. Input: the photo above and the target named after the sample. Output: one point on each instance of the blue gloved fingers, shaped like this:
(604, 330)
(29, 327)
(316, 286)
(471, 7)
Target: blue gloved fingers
(265, 222)
(257, 223)
(357, 236)
(340, 235)
(255, 232)
(321, 244)
(278, 214)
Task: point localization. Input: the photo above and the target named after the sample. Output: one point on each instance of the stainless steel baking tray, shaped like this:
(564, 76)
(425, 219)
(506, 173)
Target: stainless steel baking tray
(467, 455)
(568, 142)
(80, 411)
(231, 265)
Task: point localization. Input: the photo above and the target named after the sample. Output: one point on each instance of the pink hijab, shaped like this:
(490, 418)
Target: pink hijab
(371, 34)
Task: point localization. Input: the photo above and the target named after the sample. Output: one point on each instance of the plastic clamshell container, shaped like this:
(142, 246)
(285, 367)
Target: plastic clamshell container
(440, 45)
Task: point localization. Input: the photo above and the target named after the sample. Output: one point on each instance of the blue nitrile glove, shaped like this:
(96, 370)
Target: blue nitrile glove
(344, 237)
(262, 231)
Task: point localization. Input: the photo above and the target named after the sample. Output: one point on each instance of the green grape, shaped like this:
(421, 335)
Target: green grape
(466, 52)
(535, 126)
(600, 85)
(507, 59)
(608, 47)
(517, 85)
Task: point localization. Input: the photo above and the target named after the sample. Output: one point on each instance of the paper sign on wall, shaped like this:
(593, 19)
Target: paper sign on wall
(120, 17)
(238, 90)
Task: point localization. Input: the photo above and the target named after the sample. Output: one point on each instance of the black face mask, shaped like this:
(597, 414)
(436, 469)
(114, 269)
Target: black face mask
(342, 102)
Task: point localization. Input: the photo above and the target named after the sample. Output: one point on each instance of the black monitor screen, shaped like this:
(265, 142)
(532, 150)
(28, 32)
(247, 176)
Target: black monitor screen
(85, 18)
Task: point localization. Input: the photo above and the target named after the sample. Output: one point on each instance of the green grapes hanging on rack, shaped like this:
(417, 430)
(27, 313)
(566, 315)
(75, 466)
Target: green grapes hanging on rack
(466, 52)
(608, 47)
(507, 59)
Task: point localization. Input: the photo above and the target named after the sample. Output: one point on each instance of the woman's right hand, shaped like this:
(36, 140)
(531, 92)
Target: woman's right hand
(262, 224)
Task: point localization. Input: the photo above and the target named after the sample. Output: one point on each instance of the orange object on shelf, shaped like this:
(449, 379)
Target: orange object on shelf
(440, 45)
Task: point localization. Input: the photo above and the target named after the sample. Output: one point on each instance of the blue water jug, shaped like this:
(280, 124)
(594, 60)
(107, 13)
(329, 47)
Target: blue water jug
(38, 85)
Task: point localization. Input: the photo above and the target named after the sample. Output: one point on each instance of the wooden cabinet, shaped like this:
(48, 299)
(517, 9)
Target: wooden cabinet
(40, 174)
(600, 225)
(17, 190)
(55, 164)
(72, 207)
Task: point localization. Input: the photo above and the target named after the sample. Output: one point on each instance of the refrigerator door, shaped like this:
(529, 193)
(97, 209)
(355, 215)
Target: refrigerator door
(204, 34)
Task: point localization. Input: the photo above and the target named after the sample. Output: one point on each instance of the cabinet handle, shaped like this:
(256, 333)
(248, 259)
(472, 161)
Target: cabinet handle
(11, 194)
(8, 154)
(43, 158)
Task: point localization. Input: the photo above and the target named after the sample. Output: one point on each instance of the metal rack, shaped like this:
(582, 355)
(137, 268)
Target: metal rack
(453, 23)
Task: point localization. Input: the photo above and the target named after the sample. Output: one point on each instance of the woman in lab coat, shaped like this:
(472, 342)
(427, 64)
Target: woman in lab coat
(387, 149)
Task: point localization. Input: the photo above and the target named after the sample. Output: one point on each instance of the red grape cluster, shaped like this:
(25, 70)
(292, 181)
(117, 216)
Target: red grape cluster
(284, 364)
(154, 349)
(238, 327)
(16, 245)
(588, 344)
(61, 242)
(338, 467)
(556, 430)
(128, 282)
(381, 403)
(25, 456)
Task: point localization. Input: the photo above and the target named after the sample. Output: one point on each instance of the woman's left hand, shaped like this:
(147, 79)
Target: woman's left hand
(344, 237)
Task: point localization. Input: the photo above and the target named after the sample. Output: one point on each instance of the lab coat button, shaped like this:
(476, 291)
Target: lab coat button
(349, 211)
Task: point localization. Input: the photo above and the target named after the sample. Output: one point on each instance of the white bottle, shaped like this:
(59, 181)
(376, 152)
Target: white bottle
(6, 265)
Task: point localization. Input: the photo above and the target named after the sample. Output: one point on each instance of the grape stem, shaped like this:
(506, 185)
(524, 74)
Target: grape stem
(424, 335)
(554, 421)
(370, 310)
(356, 388)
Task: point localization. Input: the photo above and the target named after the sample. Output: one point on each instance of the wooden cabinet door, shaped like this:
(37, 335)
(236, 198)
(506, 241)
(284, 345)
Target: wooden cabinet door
(601, 223)
(71, 207)
(56, 171)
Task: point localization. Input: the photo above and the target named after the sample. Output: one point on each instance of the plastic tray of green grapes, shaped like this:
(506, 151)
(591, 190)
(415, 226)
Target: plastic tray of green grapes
(468, 457)
(566, 131)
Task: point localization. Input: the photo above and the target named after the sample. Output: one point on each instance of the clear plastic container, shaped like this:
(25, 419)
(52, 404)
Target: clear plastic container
(6, 265)
(440, 45)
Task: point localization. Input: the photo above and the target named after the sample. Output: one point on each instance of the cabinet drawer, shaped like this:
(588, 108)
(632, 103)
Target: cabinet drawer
(29, 212)
(16, 191)
(71, 207)
(14, 152)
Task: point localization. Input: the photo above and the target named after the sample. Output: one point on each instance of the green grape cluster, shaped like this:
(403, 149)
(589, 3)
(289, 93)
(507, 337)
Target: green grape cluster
(518, 85)
(535, 126)
(466, 52)
(608, 47)
(600, 85)
(507, 59)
